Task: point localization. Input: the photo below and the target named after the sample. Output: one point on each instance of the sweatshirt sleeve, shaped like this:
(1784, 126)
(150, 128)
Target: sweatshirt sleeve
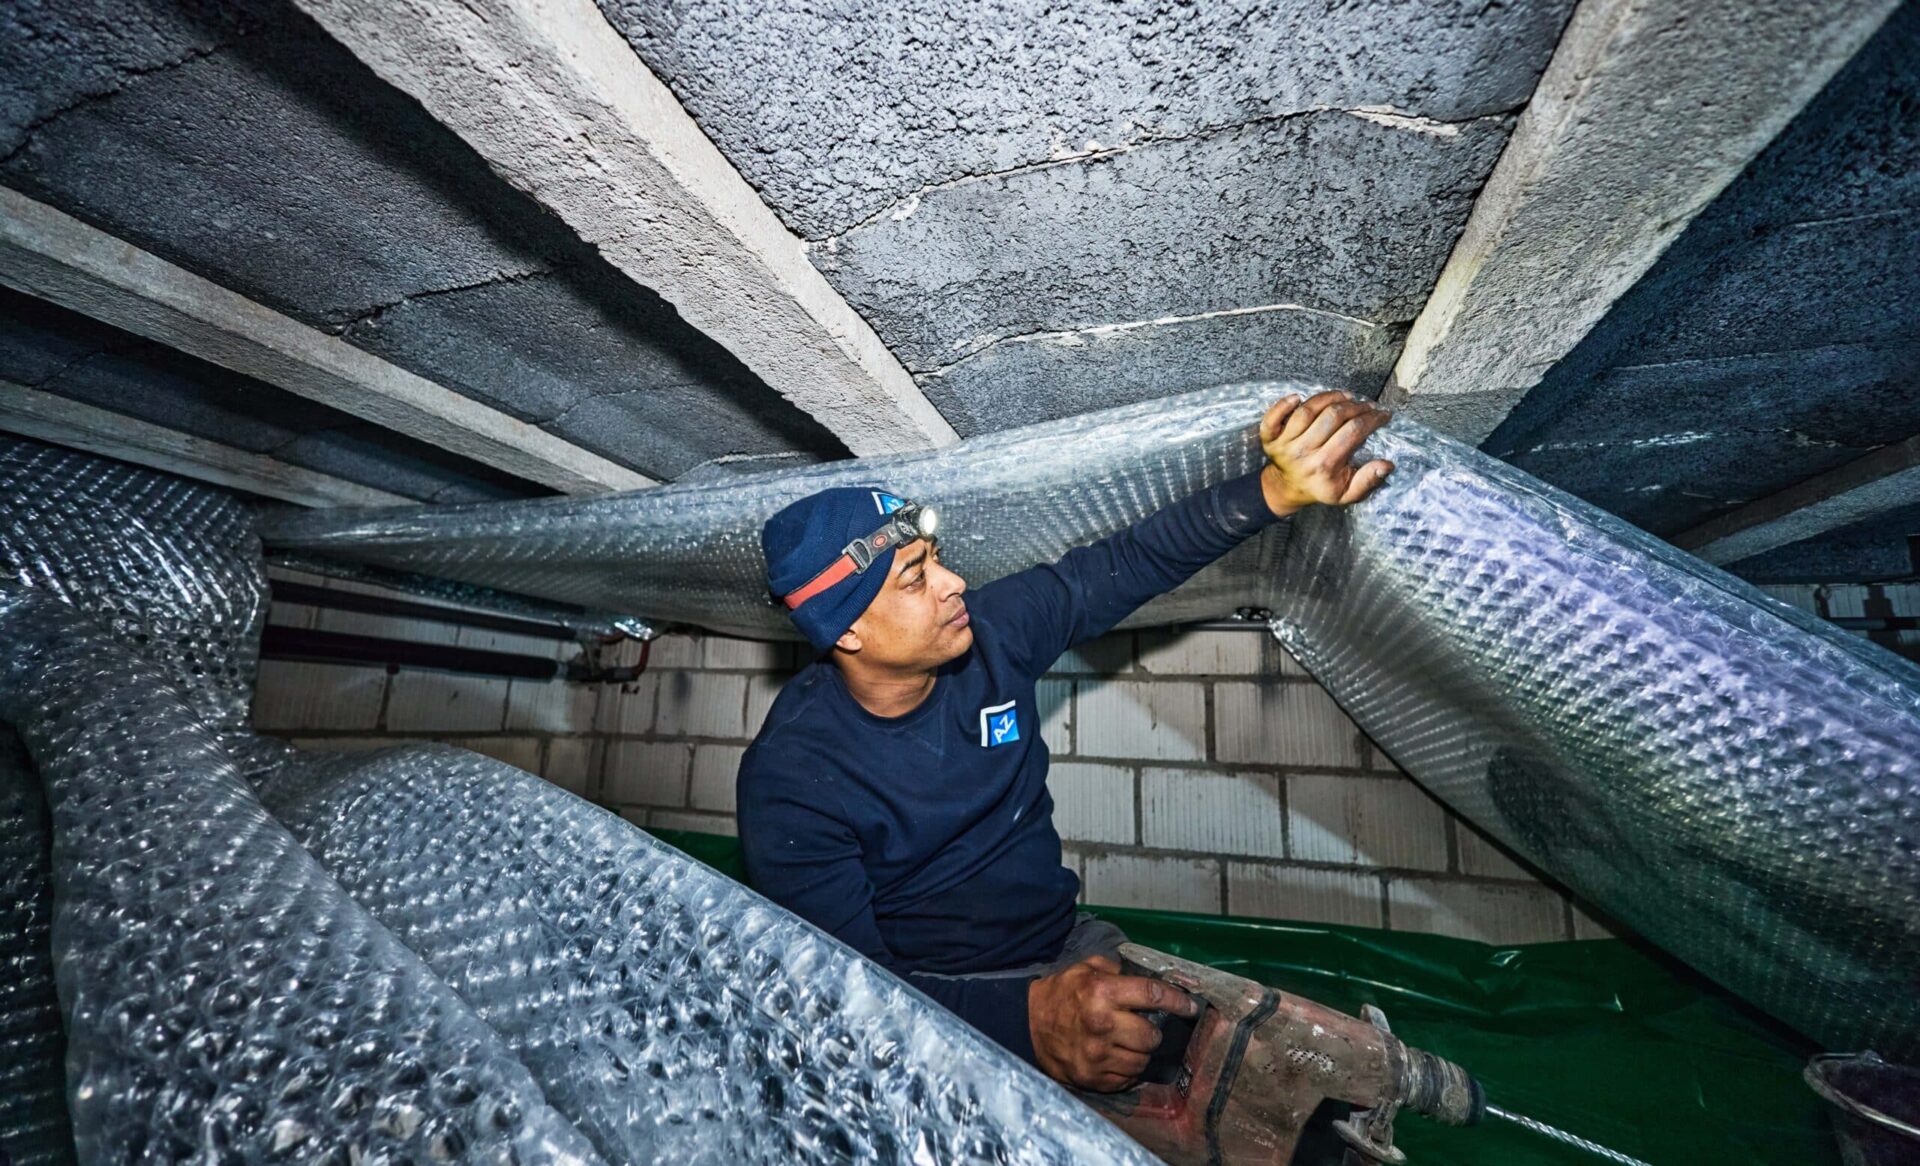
(1050, 608)
(803, 856)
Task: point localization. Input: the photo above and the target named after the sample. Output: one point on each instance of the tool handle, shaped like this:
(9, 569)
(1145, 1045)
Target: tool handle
(1437, 1088)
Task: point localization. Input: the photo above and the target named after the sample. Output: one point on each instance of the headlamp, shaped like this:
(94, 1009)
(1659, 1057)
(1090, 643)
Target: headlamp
(908, 521)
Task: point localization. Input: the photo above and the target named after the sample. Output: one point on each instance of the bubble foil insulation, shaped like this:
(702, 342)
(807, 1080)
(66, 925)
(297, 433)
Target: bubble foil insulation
(415, 956)
(1736, 780)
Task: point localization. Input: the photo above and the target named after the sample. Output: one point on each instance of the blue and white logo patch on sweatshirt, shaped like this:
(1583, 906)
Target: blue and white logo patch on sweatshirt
(999, 724)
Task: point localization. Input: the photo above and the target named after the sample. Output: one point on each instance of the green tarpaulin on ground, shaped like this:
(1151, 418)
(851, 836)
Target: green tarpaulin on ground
(1598, 1037)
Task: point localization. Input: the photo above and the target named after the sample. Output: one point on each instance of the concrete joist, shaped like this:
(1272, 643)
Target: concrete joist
(558, 104)
(52, 418)
(46, 253)
(1648, 109)
(1888, 477)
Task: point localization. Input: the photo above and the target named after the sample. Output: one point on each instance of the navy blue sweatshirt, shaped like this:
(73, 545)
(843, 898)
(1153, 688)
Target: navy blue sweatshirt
(925, 841)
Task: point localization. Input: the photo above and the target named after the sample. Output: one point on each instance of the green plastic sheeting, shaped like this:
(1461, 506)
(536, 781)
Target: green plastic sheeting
(1595, 1036)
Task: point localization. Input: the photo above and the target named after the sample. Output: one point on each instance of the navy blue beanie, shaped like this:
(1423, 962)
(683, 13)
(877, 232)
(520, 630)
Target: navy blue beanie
(805, 538)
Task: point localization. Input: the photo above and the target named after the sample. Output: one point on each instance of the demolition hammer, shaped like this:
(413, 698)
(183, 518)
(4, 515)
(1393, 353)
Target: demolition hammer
(1237, 1085)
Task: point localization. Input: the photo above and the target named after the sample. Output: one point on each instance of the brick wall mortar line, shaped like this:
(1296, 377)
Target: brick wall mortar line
(1438, 876)
(1139, 809)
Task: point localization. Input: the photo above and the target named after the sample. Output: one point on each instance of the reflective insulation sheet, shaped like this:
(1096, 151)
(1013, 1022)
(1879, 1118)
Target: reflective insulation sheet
(673, 1015)
(469, 965)
(223, 997)
(691, 553)
(1732, 778)
(1738, 781)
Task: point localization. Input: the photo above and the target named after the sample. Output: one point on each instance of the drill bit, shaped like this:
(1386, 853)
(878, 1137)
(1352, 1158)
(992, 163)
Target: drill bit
(1560, 1135)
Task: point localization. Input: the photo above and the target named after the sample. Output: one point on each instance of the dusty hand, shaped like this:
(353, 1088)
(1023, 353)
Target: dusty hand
(1310, 445)
(1086, 1023)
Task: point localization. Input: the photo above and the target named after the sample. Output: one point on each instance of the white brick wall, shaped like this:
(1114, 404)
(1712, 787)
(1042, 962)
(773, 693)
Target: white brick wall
(1218, 813)
(1365, 821)
(318, 696)
(1056, 714)
(1136, 720)
(1203, 653)
(646, 773)
(761, 691)
(1480, 855)
(443, 702)
(1489, 912)
(701, 704)
(1163, 882)
(552, 706)
(711, 784)
(626, 710)
(1283, 724)
(573, 764)
(1305, 893)
(1200, 771)
(724, 652)
(519, 752)
(1092, 803)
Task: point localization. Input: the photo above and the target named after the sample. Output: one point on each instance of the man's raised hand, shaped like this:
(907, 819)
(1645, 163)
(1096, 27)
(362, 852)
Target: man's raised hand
(1310, 445)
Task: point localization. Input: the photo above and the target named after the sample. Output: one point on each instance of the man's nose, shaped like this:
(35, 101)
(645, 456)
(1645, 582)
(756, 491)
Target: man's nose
(955, 585)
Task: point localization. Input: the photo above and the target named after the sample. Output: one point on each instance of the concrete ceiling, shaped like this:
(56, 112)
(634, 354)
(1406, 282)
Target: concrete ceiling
(1039, 210)
(1778, 338)
(1046, 210)
(245, 145)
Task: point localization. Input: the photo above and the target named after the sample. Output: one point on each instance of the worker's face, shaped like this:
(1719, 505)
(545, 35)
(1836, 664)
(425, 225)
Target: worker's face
(919, 620)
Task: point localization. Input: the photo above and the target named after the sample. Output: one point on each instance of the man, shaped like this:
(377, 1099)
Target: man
(896, 796)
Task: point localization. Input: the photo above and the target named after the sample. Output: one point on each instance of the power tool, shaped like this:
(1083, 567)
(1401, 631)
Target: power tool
(1236, 1085)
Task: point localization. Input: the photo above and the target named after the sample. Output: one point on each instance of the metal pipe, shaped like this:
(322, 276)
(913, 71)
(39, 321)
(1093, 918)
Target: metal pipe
(306, 594)
(279, 642)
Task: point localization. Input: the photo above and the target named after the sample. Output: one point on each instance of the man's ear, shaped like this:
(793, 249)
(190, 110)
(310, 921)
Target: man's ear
(849, 641)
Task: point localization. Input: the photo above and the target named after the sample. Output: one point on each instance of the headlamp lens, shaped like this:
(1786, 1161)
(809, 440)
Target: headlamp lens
(928, 521)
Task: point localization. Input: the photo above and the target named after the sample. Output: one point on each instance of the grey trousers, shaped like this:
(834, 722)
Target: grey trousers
(1090, 937)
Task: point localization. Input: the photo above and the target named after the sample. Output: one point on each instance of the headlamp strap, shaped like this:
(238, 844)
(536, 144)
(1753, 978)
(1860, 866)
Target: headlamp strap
(902, 526)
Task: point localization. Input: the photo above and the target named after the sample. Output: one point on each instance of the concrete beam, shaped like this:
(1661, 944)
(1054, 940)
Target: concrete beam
(1886, 478)
(49, 254)
(1648, 109)
(49, 417)
(558, 104)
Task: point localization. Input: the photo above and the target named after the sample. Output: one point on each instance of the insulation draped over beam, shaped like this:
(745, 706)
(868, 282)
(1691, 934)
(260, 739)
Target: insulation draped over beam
(1667, 740)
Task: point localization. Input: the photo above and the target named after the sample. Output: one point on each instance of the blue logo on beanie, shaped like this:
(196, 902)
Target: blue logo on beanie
(887, 502)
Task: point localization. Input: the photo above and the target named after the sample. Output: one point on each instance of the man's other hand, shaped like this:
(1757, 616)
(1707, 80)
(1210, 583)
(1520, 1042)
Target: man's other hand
(1310, 446)
(1086, 1023)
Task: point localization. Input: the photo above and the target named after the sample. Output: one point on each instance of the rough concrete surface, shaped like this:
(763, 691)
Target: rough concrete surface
(62, 352)
(1648, 111)
(836, 113)
(555, 101)
(1051, 375)
(575, 352)
(270, 161)
(1332, 212)
(58, 54)
(1783, 319)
